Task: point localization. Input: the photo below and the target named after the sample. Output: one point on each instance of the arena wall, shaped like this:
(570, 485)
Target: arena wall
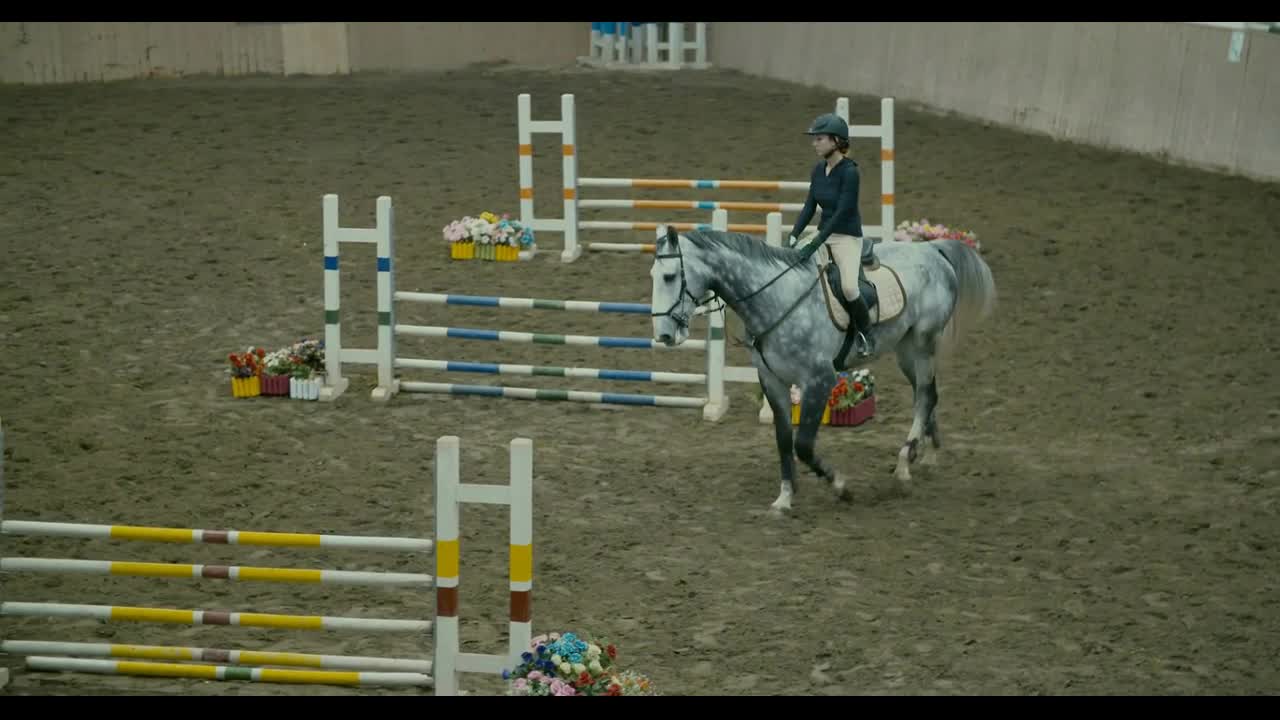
(48, 52)
(1160, 88)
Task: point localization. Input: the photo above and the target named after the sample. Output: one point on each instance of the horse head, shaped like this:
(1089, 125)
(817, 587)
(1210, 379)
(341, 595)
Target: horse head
(679, 279)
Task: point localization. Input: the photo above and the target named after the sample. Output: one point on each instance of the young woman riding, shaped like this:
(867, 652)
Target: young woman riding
(834, 185)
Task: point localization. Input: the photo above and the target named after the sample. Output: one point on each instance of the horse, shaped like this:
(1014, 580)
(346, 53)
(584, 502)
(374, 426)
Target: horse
(778, 294)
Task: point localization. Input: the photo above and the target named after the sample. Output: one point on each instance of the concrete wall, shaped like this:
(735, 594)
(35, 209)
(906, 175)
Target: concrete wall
(38, 53)
(1165, 89)
(441, 46)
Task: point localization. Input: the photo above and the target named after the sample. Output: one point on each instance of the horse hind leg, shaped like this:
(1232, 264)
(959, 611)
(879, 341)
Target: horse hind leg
(931, 429)
(917, 364)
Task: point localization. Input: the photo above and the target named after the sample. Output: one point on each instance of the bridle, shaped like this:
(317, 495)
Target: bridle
(682, 320)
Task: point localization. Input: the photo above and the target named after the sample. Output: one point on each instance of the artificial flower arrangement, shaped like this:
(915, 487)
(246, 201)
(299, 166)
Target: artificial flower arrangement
(292, 371)
(923, 230)
(567, 665)
(487, 237)
(246, 371)
(852, 401)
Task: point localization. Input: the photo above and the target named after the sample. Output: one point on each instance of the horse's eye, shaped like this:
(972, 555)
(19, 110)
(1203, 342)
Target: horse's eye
(669, 277)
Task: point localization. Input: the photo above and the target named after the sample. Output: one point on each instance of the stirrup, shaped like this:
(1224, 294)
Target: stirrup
(863, 344)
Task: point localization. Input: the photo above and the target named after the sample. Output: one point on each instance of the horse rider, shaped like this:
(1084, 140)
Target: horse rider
(834, 184)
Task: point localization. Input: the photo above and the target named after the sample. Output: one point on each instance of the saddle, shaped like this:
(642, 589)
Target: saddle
(882, 289)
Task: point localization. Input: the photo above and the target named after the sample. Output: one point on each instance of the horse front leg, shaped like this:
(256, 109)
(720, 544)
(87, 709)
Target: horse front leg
(778, 397)
(813, 405)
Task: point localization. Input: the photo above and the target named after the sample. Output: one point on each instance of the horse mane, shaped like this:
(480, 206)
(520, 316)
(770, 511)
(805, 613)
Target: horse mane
(748, 247)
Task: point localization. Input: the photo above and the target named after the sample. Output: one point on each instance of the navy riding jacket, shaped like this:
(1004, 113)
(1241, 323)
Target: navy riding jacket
(837, 193)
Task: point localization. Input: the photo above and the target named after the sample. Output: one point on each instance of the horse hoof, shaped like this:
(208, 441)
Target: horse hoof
(841, 489)
(903, 475)
(777, 512)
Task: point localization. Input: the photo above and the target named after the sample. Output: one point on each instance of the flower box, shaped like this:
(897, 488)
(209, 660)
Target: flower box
(924, 231)
(488, 237)
(275, 385)
(566, 665)
(246, 387)
(245, 368)
(462, 250)
(852, 400)
(308, 389)
(855, 415)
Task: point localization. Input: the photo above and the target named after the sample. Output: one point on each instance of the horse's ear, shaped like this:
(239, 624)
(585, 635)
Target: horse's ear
(672, 236)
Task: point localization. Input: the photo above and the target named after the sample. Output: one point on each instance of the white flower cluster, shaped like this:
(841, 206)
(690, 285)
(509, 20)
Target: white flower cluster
(277, 362)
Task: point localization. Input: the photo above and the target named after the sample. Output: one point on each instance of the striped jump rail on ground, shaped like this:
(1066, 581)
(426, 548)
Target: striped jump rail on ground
(212, 537)
(224, 672)
(550, 371)
(542, 338)
(211, 572)
(215, 655)
(117, 613)
(517, 393)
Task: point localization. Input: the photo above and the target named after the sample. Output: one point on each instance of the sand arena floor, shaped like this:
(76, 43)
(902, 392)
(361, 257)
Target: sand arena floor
(1102, 520)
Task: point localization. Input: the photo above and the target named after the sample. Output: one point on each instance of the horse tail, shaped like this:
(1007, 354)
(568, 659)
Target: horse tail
(976, 291)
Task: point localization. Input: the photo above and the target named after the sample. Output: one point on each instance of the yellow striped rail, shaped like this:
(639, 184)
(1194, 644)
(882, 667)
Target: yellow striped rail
(212, 572)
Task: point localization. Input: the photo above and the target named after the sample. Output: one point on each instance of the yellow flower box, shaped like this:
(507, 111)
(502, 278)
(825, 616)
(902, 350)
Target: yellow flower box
(465, 250)
(246, 387)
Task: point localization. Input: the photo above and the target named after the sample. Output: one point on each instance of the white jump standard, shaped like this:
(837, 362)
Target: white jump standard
(714, 402)
(638, 46)
(570, 224)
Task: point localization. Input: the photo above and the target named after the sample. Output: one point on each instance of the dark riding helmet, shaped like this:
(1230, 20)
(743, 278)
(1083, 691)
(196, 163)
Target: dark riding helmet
(829, 124)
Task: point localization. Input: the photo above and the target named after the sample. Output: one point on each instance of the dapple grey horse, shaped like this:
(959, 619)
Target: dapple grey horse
(776, 293)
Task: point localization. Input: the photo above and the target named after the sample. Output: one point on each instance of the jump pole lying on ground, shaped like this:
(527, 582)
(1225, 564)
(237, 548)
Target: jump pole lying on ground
(570, 224)
(714, 402)
(442, 670)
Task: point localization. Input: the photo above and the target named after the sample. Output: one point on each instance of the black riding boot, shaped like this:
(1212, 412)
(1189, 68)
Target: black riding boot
(861, 316)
